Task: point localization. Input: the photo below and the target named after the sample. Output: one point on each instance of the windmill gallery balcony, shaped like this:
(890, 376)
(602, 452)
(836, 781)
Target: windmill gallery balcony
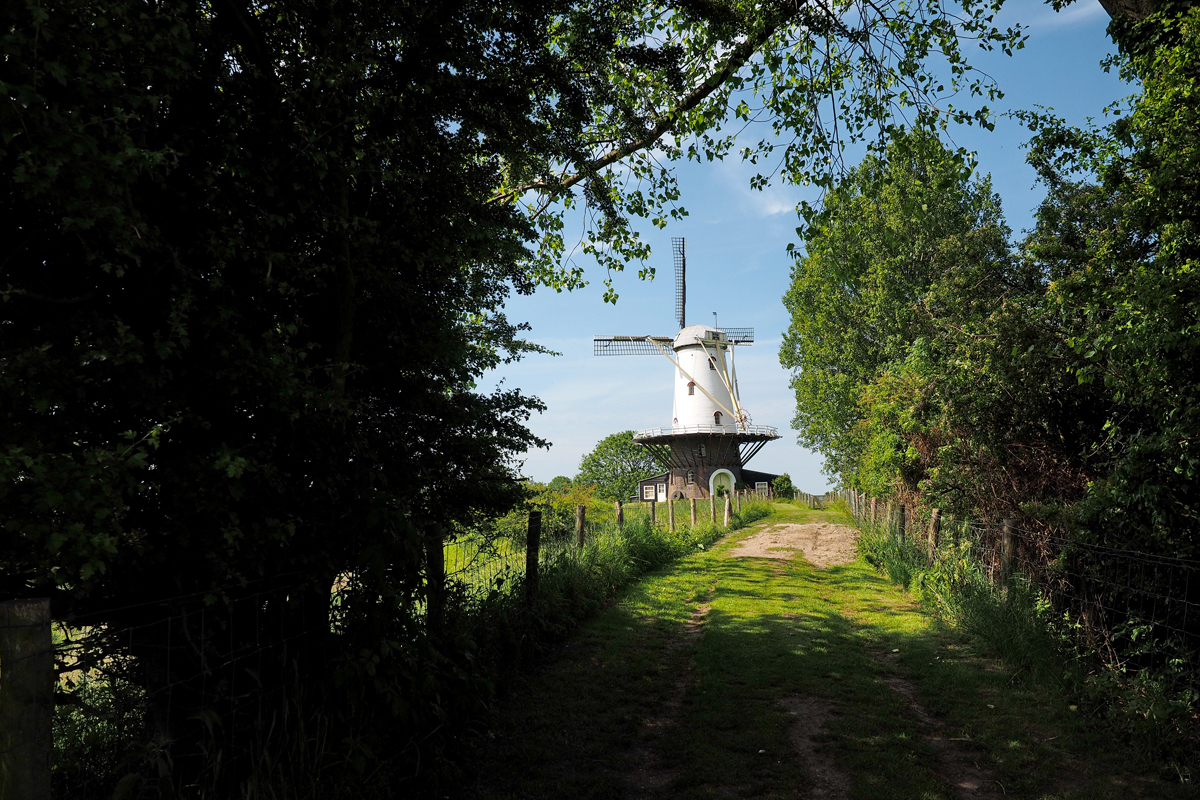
(728, 430)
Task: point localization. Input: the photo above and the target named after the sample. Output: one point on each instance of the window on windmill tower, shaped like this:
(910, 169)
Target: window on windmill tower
(691, 387)
(712, 364)
(703, 450)
(717, 417)
(691, 476)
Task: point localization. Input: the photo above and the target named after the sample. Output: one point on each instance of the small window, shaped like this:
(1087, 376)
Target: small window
(760, 487)
(648, 492)
(712, 364)
(703, 450)
(691, 476)
(691, 387)
(716, 417)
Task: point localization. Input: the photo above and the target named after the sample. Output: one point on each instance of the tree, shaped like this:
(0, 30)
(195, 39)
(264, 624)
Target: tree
(929, 352)
(871, 255)
(615, 466)
(1121, 228)
(783, 487)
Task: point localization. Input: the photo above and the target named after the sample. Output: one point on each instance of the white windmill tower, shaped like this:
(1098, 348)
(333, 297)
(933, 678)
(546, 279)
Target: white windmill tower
(711, 436)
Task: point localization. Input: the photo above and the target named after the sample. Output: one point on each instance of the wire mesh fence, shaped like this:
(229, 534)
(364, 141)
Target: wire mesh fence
(1135, 610)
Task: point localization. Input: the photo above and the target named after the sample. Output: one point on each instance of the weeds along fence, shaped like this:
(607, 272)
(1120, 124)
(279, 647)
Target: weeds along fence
(204, 694)
(1129, 619)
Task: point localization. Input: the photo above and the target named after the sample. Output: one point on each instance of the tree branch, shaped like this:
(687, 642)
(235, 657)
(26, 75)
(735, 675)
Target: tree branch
(737, 58)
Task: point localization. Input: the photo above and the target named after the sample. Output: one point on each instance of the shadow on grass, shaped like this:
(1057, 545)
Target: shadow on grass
(639, 705)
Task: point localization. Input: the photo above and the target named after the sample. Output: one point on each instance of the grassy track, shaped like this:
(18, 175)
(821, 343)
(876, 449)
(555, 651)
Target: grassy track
(753, 677)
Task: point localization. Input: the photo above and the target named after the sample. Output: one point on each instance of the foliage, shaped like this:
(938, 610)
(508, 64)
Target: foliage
(1126, 236)
(1058, 375)
(911, 325)
(784, 490)
(615, 466)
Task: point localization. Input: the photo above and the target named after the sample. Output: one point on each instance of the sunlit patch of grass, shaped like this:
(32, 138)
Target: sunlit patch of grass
(775, 630)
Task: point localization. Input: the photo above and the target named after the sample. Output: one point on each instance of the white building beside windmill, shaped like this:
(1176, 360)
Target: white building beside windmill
(711, 438)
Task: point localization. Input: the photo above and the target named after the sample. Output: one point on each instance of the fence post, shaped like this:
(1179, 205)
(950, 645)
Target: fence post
(1006, 549)
(728, 510)
(435, 577)
(872, 511)
(935, 529)
(653, 512)
(26, 699)
(738, 496)
(692, 503)
(900, 522)
(620, 517)
(580, 520)
(712, 508)
(533, 542)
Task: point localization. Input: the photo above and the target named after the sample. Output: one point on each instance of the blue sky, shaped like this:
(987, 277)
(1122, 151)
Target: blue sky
(738, 265)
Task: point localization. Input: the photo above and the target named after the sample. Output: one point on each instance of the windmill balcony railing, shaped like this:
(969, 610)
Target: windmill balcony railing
(753, 430)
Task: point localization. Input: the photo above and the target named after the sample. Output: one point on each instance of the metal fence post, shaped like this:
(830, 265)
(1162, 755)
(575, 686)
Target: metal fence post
(1006, 549)
(26, 699)
(580, 520)
(533, 541)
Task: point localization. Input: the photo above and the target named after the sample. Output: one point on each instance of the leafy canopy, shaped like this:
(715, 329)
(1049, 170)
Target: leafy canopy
(615, 466)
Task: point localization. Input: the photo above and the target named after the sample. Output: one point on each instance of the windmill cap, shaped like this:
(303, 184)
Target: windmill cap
(694, 334)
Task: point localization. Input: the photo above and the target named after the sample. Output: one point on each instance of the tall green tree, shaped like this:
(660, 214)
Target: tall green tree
(615, 466)
(1125, 241)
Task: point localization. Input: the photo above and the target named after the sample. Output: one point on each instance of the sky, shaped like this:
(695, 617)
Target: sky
(738, 265)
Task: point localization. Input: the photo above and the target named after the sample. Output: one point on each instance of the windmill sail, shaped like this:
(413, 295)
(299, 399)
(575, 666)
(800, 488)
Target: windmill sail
(630, 345)
(679, 251)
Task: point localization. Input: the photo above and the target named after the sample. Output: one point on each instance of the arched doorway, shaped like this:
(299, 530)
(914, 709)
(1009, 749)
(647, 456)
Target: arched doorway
(720, 479)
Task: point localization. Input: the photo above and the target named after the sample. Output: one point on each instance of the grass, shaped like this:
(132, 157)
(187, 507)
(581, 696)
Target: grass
(680, 689)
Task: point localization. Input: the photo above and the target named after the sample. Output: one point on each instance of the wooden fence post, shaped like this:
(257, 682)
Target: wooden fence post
(653, 512)
(900, 522)
(728, 510)
(580, 521)
(533, 542)
(435, 578)
(935, 529)
(26, 699)
(692, 503)
(620, 517)
(872, 510)
(738, 496)
(712, 508)
(1006, 549)
(671, 515)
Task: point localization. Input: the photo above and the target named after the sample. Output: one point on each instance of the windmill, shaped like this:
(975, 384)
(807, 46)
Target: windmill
(712, 436)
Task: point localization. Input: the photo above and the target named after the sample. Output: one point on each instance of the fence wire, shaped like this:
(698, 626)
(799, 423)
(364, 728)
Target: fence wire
(1136, 610)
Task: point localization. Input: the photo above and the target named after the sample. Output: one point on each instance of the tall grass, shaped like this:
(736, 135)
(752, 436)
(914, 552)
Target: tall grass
(1154, 710)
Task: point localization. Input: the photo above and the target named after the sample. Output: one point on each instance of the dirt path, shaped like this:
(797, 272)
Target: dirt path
(823, 544)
